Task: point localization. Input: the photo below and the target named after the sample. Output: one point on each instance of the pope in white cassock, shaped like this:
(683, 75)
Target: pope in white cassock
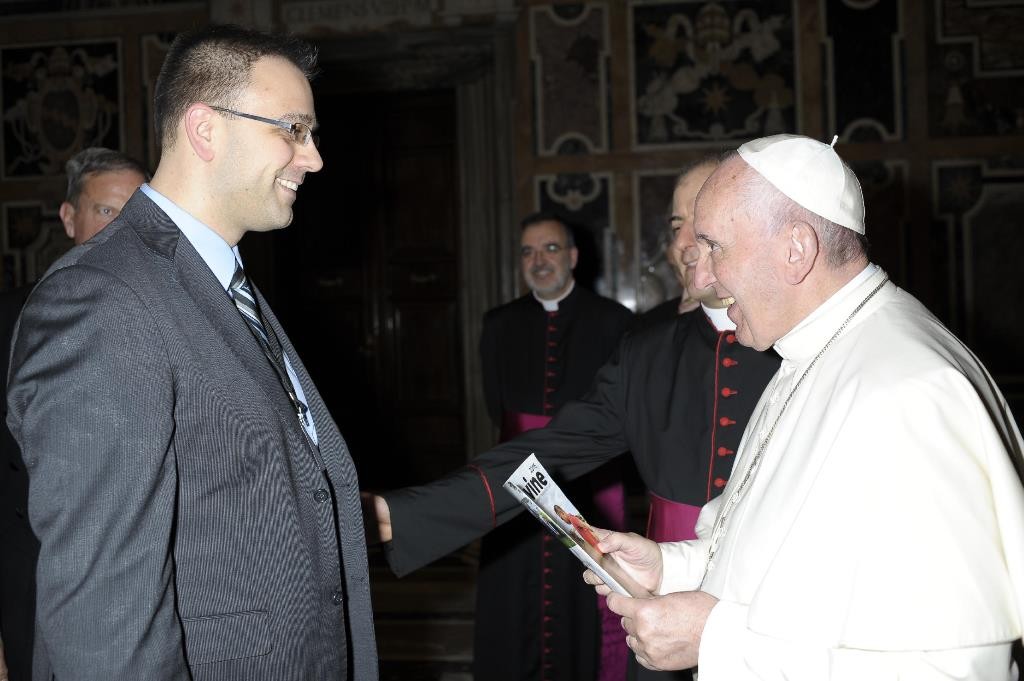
(873, 527)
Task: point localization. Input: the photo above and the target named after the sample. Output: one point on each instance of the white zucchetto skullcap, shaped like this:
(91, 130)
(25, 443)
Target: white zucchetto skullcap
(812, 174)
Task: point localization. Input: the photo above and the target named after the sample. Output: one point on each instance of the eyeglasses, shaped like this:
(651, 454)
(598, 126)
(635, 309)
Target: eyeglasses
(551, 249)
(301, 133)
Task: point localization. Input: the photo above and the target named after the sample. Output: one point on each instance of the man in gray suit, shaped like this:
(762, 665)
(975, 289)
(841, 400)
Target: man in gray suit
(100, 182)
(197, 508)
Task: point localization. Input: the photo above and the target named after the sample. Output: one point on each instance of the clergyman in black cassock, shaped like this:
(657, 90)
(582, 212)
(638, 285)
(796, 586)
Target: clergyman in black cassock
(532, 620)
(677, 395)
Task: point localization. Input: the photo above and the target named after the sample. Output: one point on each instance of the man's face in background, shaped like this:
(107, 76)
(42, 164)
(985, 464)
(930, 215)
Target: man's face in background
(547, 259)
(103, 195)
(683, 251)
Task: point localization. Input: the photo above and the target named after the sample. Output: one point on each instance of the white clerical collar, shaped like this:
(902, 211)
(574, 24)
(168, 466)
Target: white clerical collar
(552, 305)
(807, 337)
(719, 318)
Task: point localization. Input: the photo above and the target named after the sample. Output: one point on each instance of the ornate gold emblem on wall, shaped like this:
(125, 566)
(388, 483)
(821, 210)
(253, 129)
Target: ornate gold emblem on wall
(711, 72)
(57, 100)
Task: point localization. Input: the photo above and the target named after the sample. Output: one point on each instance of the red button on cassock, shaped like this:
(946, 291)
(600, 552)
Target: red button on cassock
(728, 392)
(731, 338)
(729, 362)
(726, 421)
(724, 451)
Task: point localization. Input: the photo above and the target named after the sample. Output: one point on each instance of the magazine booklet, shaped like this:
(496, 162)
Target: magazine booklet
(542, 496)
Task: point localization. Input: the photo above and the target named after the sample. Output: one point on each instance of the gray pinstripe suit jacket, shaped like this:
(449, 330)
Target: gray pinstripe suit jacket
(173, 490)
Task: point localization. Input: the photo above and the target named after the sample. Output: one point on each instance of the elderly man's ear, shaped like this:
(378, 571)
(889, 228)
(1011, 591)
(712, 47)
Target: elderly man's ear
(801, 251)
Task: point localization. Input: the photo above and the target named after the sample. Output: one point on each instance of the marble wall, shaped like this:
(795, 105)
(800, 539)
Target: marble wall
(926, 98)
(610, 98)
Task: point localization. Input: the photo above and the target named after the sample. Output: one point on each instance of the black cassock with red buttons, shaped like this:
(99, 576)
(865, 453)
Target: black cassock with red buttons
(535, 618)
(676, 394)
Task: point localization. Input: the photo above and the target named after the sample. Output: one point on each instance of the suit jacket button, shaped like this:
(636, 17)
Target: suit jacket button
(337, 597)
(321, 495)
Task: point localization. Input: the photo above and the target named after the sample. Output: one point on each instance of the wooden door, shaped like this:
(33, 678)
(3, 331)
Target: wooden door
(366, 280)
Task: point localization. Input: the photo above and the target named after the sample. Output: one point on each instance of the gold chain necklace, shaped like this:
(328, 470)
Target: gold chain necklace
(730, 505)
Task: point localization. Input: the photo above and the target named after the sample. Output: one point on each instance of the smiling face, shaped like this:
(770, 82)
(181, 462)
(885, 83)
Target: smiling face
(259, 166)
(741, 259)
(546, 259)
(683, 251)
(103, 195)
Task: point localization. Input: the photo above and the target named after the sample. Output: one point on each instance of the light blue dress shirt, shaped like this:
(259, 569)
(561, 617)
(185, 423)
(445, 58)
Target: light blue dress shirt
(220, 258)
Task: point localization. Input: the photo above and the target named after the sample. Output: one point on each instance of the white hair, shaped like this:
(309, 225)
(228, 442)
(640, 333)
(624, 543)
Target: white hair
(763, 201)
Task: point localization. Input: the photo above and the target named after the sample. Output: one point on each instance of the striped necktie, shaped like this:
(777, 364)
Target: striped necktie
(247, 306)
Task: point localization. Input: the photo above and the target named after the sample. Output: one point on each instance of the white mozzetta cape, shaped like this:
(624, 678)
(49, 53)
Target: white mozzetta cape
(882, 536)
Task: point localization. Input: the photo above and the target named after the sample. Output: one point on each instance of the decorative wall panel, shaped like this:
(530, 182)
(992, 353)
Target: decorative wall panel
(13, 7)
(656, 281)
(863, 49)
(154, 49)
(584, 202)
(322, 17)
(569, 56)
(32, 239)
(978, 205)
(976, 68)
(56, 100)
(705, 72)
(887, 215)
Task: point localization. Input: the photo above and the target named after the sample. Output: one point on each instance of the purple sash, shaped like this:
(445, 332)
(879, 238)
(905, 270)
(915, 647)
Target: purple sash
(670, 520)
(514, 423)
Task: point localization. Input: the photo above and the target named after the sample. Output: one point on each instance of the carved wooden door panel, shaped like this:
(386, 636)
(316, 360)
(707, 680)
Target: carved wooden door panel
(366, 280)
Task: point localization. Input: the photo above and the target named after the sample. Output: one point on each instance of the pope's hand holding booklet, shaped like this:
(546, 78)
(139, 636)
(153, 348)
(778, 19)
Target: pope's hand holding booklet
(535, 490)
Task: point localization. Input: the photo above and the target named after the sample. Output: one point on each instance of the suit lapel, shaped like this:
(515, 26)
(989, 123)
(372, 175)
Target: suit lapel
(162, 236)
(216, 305)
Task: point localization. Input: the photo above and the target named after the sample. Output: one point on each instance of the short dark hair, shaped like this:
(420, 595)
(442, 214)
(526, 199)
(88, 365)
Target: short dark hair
(546, 216)
(213, 65)
(96, 160)
(713, 160)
